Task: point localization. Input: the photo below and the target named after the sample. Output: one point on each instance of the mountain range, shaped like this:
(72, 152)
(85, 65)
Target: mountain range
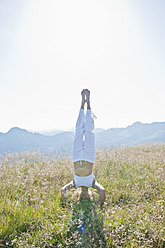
(17, 139)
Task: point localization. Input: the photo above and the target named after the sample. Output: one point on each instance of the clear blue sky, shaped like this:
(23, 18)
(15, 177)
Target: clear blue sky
(50, 50)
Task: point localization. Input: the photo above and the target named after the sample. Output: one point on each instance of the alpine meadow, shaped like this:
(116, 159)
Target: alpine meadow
(32, 213)
(82, 130)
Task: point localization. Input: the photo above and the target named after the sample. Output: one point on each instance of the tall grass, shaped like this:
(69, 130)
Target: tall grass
(33, 215)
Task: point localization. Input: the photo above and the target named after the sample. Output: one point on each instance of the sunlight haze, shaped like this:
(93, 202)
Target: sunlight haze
(51, 50)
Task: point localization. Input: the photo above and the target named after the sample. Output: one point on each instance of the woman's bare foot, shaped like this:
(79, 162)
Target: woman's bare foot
(88, 99)
(83, 94)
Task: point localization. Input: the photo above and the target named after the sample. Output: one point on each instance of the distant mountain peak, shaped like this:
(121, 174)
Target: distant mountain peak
(17, 130)
(137, 123)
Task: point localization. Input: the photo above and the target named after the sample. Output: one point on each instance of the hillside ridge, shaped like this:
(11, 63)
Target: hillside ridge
(17, 139)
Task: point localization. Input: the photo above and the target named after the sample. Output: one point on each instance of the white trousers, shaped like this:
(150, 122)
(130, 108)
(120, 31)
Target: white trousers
(84, 139)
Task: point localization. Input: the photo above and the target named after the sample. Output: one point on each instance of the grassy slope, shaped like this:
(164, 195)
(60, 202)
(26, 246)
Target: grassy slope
(32, 215)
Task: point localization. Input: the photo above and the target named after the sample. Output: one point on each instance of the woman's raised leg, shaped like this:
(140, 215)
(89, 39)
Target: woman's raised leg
(89, 140)
(78, 142)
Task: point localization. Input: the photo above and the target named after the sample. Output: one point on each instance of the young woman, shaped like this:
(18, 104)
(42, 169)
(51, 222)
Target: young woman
(84, 151)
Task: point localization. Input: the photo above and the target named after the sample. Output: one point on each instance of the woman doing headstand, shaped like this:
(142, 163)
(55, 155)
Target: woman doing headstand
(84, 151)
